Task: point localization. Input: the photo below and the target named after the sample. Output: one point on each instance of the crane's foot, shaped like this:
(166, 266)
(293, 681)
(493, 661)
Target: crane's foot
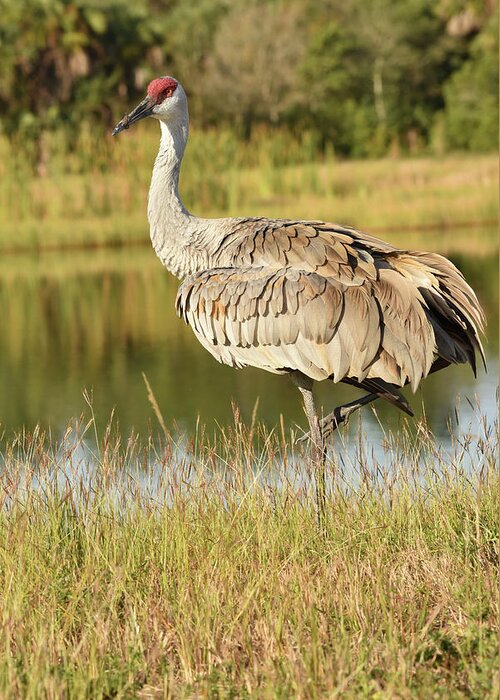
(329, 424)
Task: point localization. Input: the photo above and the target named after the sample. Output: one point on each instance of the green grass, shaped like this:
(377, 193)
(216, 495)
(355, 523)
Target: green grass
(96, 190)
(206, 576)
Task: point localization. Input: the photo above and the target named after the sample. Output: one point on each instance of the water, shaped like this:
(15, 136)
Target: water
(98, 320)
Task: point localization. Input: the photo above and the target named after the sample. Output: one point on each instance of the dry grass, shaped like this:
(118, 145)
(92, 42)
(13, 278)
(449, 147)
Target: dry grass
(196, 570)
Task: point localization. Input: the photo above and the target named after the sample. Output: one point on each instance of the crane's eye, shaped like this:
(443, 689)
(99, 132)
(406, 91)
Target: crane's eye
(168, 92)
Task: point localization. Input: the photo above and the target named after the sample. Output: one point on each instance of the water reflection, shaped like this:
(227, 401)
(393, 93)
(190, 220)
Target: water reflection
(98, 320)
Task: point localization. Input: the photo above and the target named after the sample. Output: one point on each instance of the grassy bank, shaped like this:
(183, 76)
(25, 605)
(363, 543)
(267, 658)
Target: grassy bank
(202, 573)
(95, 193)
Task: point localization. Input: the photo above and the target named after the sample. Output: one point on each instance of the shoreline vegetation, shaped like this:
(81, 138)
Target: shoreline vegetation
(101, 201)
(197, 570)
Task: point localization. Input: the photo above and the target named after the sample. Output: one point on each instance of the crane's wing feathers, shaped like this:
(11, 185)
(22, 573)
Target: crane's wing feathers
(330, 302)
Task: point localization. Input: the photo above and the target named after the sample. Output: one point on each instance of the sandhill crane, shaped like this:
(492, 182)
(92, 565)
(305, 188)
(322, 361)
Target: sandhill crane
(310, 299)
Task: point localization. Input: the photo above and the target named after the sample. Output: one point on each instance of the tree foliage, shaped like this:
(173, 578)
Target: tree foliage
(253, 67)
(366, 75)
(472, 95)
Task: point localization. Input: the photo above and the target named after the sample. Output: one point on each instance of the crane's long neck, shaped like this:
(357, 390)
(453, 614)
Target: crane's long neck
(173, 228)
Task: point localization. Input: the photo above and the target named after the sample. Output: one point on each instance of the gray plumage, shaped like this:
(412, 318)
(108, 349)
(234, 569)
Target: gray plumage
(332, 303)
(313, 299)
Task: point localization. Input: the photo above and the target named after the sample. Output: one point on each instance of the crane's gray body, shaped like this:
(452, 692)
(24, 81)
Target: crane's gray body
(311, 297)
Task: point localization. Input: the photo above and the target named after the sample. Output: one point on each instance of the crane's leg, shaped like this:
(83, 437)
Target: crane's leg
(340, 415)
(318, 449)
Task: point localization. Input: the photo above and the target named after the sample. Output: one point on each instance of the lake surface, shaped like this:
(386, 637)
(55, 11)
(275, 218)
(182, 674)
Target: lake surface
(98, 320)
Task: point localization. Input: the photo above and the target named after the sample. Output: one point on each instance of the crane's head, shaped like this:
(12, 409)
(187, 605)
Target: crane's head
(165, 100)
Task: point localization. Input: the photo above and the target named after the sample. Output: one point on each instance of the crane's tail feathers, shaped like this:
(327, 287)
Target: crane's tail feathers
(454, 312)
(456, 333)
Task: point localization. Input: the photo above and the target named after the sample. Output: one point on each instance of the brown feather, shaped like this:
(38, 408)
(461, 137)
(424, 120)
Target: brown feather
(330, 301)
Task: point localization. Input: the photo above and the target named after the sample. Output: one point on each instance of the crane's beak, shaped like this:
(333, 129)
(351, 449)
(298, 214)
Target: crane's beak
(144, 109)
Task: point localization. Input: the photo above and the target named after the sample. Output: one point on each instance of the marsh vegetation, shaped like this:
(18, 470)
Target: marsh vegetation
(96, 193)
(154, 571)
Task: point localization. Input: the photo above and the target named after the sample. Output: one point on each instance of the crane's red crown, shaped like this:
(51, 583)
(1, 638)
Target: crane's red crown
(160, 88)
